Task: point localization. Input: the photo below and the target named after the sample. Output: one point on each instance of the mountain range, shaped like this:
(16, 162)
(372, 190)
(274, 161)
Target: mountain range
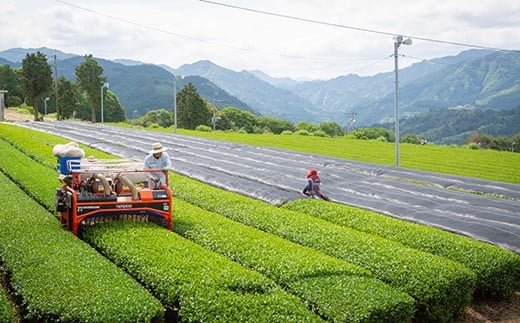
(480, 79)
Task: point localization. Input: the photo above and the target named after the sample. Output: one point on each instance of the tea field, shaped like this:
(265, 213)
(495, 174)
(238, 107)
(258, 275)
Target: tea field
(229, 258)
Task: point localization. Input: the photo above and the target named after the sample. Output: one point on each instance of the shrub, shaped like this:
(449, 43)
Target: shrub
(336, 289)
(287, 132)
(53, 272)
(302, 133)
(195, 282)
(203, 128)
(497, 269)
(441, 288)
(6, 311)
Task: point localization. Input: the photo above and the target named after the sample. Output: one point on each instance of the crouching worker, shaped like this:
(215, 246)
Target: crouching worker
(312, 188)
(157, 159)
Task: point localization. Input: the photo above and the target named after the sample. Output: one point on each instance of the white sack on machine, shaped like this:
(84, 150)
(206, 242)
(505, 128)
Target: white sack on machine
(68, 150)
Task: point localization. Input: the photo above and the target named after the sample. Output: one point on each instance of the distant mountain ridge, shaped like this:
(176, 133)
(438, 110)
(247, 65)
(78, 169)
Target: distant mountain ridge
(481, 79)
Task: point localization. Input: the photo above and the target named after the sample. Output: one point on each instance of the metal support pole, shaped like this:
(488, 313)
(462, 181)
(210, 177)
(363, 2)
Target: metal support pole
(174, 104)
(396, 46)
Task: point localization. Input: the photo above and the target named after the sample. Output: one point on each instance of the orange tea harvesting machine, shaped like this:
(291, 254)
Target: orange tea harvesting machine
(95, 191)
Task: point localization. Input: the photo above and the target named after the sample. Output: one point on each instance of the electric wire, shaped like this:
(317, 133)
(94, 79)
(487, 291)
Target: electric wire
(353, 27)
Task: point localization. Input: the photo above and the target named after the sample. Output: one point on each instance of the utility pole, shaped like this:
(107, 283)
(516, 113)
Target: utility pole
(56, 87)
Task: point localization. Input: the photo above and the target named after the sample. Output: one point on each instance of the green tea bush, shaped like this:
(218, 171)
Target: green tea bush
(441, 287)
(195, 283)
(337, 290)
(7, 314)
(497, 269)
(57, 276)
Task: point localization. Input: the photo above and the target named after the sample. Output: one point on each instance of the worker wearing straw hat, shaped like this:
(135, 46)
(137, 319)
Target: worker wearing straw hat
(158, 158)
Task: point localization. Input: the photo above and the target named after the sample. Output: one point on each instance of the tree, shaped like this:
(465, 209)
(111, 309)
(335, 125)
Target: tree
(332, 129)
(36, 78)
(307, 126)
(238, 119)
(88, 75)
(114, 112)
(191, 108)
(9, 82)
(275, 125)
(68, 97)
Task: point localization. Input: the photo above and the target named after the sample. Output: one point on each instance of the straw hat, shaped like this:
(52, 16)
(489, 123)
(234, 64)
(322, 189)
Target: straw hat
(157, 148)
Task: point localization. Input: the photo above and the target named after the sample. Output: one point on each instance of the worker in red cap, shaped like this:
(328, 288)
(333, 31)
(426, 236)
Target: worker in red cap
(312, 188)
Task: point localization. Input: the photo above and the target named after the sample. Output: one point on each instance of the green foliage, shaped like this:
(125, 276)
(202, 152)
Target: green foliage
(36, 78)
(454, 126)
(373, 134)
(332, 129)
(9, 81)
(275, 125)
(191, 108)
(307, 126)
(68, 98)
(203, 285)
(53, 272)
(238, 119)
(89, 78)
(497, 269)
(410, 139)
(302, 132)
(7, 313)
(337, 289)
(441, 287)
(203, 128)
(161, 117)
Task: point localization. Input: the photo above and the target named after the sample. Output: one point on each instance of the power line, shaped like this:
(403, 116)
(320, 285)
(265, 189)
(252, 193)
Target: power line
(184, 36)
(353, 28)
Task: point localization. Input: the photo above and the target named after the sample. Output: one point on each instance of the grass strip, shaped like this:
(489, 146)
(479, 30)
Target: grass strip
(199, 285)
(57, 276)
(442, 288)
(497, 269)
(339, 291)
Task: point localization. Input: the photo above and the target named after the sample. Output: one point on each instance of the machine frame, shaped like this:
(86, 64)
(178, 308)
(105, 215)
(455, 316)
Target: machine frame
(97, 191)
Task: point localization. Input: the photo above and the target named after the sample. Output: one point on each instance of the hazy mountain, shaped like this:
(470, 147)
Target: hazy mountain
(140, 87)
(16, 55)
(481, 79)
(455, 125)
(262, 96)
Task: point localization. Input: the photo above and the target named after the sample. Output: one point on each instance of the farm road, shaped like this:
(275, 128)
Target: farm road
(276, 176)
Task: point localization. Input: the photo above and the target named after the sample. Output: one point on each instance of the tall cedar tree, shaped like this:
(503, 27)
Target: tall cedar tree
(36, 78)
(88, 75)
(191, 108)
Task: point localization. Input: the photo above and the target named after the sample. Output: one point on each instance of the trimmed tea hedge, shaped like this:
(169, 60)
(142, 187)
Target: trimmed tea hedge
(6, 311)
(56, 275)
(338, 291)
(441, 287)
(201, 285)
(228, 298)
(497, 269)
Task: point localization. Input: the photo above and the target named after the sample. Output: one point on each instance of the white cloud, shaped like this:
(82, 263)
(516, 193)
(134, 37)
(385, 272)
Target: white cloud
(184, 31)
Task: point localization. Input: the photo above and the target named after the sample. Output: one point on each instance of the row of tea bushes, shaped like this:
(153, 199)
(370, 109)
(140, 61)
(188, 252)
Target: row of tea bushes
(497, 269)
(28, 171)
(441, 288)
(7, 312)
(205, 286)
(191, 281)
(39, 145)
(56, 276)
(338, 291)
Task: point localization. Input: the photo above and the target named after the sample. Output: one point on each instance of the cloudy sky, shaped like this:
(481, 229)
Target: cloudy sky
(301, 39)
